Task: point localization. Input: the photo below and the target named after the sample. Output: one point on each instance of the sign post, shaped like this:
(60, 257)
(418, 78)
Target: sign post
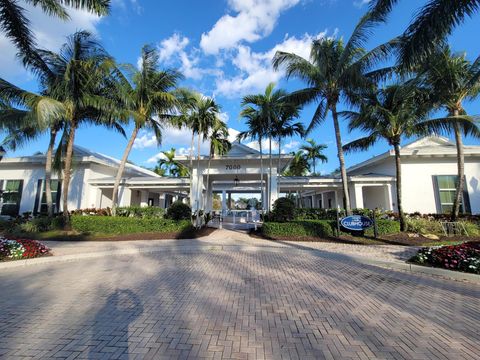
(375, 227)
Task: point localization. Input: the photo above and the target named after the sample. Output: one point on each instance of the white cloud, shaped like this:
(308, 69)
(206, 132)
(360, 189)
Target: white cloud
(50, 33)
(254, 19)
(145, 140)
(361, 3)
(255, 68)
(171, 46)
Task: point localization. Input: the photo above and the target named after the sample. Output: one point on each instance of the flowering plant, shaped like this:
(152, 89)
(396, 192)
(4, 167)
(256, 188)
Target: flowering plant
(464, 257)
(21, 248)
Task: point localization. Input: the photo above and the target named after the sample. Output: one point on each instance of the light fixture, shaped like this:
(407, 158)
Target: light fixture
(236, 181)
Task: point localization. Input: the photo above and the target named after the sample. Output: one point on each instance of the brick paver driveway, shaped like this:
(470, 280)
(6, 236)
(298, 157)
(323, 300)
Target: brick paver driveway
(269, 303)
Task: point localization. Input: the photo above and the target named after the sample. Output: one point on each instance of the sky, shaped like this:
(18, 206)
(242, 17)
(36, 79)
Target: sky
(224, 49)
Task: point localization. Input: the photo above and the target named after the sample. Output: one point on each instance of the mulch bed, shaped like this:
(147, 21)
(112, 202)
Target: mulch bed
(401, 239)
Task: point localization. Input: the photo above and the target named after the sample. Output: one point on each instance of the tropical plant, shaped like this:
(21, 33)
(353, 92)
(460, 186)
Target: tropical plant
(298, 166)
(284, 127)
(15, 25)
(314, 151)
(148, 99)
(80, 77)
(433, 22)
(396, 111)
(453, 79)
(171, 166)
(269, 107)
(256, 131)
(334, 71)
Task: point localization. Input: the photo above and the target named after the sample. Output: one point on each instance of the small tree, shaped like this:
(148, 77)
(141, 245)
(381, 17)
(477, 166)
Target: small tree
(283, 210)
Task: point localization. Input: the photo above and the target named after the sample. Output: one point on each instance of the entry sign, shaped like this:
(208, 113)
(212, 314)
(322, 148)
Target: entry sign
(356, 222)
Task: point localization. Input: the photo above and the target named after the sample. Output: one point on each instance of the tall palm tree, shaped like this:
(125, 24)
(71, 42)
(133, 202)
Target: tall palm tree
(15, 25)
(314, 151)
(453, 79)
(257, 130)
(394, 112)
(284, 127)
(335, 69)
(148, 99)
(269, 107)
(38, 114)
(80, 78)
(433, 22)
(170, 166)
(219, 144)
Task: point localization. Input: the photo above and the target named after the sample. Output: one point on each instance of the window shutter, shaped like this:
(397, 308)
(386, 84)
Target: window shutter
(37, 197)
(20, 190)
(59, 196)
(437, 194)
(466, 198)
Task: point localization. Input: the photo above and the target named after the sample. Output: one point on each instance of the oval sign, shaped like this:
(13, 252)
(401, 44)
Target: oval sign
(356, 222)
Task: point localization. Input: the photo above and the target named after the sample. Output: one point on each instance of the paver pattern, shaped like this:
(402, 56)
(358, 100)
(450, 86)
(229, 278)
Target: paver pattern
(286, 303)
(227, 238)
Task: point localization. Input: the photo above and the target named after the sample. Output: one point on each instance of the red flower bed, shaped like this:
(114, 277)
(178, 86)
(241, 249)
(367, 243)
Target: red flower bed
(463, 257)
(33, 248)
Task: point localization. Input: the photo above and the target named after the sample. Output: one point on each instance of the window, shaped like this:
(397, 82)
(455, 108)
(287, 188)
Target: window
(446, 187)
(11, 196)
(41, 200)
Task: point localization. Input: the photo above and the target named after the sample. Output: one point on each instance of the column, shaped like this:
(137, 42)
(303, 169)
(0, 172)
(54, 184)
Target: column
(358, 196)
(229, 203)
(336, 199)
(273, 188)
(224, 201)
(323, 200)
(125, 196)
(209, 197)
(388, 197)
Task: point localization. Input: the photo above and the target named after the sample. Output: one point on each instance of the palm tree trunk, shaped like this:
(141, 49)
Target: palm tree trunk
(279, 153)
(270, 172)
(121, 169)
(461, 172)
(199, 189)
(262, 193)
(67, 172)
(314, 170)
(398, 166)
(341, 159)
(48, 171)
(191, 152)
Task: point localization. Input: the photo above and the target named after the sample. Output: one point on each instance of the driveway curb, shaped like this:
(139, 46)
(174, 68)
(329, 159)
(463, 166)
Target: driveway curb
(393, 265)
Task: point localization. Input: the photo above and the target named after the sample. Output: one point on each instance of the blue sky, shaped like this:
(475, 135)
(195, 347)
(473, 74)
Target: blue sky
(224, 48)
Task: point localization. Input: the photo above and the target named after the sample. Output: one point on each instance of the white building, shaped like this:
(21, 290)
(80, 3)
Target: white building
(428, 166)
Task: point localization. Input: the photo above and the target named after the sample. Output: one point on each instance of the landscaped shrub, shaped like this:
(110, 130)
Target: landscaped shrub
(179, 211)
(92, 211)
(283, 210)
(315, 214)
(306, 228)
(123, 225)
(464, 257)
(141, 211)
(424, 226)
(384, 227)
(14, 249)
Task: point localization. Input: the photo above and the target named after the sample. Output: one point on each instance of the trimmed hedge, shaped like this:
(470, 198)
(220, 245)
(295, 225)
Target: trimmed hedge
(126, 225)
(384, 227)
(305, 228)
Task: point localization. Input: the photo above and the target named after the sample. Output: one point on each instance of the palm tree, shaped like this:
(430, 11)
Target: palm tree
(148, 99)
(298, 166)
(334, 71)
(219, 144)
(170, 166)
(432, 24)
(256, 131)
(15, 25)
(314, 151)
(397, 111)
(452, 79)
(269, 107)
(284, 127)
(38, 114)
(80, 77)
